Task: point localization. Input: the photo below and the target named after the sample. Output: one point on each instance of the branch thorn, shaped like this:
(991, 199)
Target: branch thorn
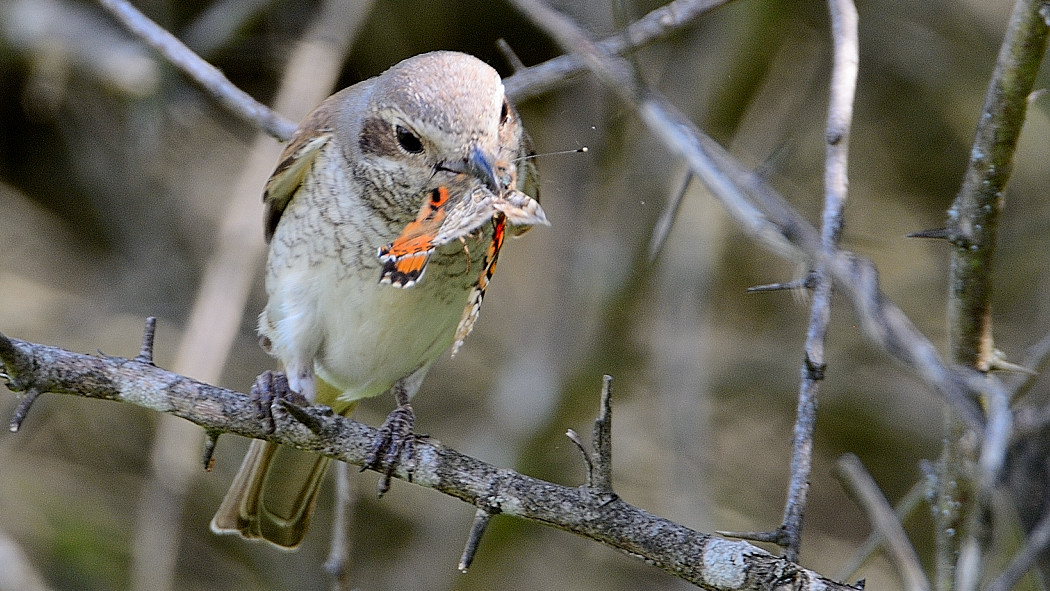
(807, 282)
(998, 362)
(209, 449)
(23, 409)
(935, 233)
(477, 529)
(146, 353)
(777, 537)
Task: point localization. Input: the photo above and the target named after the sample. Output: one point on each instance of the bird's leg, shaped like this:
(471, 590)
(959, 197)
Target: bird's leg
(268, 388)
(395, 438)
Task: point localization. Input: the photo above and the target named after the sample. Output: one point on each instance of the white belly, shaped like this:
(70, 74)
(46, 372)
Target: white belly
(377, 334)
(330, 315)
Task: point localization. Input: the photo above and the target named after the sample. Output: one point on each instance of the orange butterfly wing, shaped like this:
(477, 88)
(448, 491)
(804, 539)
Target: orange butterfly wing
(405, 259)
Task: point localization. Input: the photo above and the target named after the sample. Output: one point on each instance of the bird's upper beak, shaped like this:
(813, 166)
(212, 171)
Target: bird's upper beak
(479, 164)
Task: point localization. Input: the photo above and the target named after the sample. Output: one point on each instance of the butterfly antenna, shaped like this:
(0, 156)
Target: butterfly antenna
(582, 150)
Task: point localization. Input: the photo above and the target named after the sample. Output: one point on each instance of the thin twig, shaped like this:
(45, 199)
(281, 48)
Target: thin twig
(574, 437)
(659, 23)
(206, 75)
(840, 115)
(903, 509)
(22, 410)
(694, 556)
(662, 228)
(974, 216)
(861, 486)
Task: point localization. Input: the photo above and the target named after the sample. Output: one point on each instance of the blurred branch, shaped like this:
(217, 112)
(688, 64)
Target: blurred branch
(659, 23)
(764, 214)
(702, 559)
(1036, 543)
(903, 509)
(219, 22)
(861, 486)
(18, 572)
(840, 116)
(206, 75)
(525, 84)
(50, 34)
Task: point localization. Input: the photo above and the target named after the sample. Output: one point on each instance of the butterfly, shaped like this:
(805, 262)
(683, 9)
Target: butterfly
(446, 215)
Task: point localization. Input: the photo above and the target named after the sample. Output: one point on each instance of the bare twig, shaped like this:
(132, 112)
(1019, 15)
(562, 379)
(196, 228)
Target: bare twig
(206, 75)
(662, 228)
(659, 23)
(974, 216)
(902, 510)
(509, 56)
(700, 558)
(599, 461)
(22, 410)
(861, 486)
(840, 115)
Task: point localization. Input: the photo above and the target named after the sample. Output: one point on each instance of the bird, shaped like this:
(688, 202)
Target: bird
(384, 217)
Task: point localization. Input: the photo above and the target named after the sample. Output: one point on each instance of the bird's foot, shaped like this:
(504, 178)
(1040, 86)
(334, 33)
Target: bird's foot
(393, 446)
(271, 387)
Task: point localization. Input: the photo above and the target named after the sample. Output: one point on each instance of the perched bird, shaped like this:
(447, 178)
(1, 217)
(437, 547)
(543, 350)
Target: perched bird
(384, 219)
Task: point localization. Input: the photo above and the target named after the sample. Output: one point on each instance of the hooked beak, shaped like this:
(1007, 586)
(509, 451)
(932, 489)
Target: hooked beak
(477, 164)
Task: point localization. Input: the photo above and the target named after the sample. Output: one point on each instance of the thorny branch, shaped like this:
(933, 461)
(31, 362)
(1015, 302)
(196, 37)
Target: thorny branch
(705, 560)
(840, 116)
(973, 224)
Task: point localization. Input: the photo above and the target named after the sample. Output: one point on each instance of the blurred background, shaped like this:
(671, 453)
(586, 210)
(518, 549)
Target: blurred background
(118, 179)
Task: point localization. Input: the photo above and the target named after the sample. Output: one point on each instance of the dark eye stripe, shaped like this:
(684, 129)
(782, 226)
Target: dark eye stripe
(377, 137)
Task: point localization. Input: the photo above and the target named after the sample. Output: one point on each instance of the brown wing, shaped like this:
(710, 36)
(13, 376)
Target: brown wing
(288, 176)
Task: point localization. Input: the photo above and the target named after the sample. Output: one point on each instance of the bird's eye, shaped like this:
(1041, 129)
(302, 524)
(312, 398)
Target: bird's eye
(408, 141)
(504, 112)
